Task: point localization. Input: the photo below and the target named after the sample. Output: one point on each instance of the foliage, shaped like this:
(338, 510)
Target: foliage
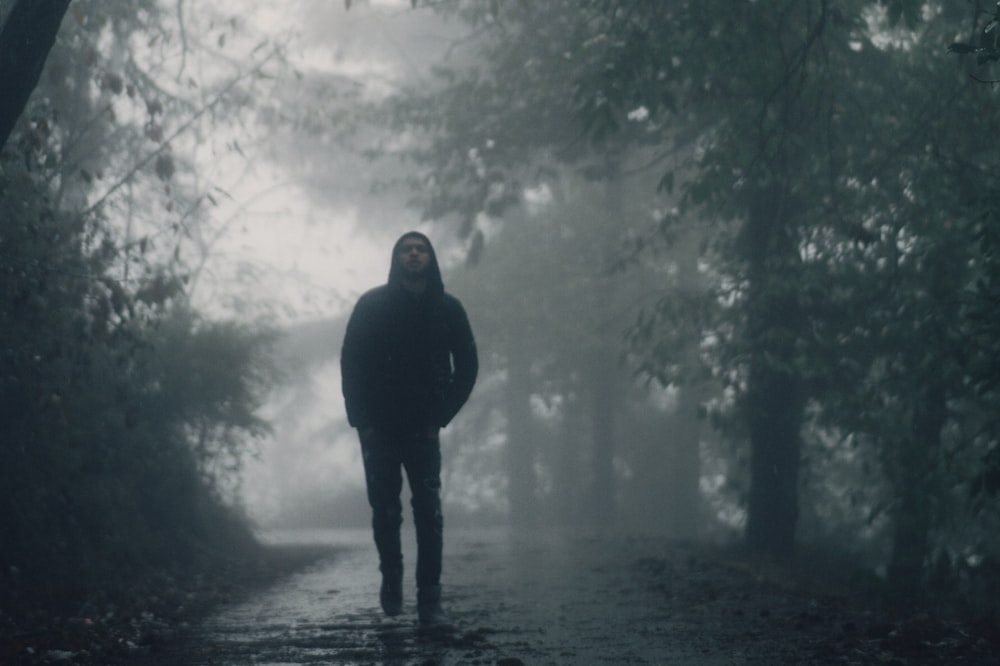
(837, 170)
(553, 360)
(986, 45)
(125, 414)
(29, 31)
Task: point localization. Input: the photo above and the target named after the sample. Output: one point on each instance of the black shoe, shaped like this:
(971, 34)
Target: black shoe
(390, 595)
(429, 610)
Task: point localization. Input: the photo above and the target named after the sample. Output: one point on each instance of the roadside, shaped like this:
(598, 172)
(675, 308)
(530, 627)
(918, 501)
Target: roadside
(158, 613)
(538, 598)
(552, 598)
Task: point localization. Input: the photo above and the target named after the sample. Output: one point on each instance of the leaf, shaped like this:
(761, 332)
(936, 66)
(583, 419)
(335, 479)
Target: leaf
(911, 15)
(961, 48)
(895, 12)
(666, 183)
(164, 167)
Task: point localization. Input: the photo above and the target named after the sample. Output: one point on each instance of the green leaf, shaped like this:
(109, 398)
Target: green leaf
(666, 183)
(911, 14)
(961, 48)
(895, 12)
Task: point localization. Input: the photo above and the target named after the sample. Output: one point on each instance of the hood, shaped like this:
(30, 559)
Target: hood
(435, 285)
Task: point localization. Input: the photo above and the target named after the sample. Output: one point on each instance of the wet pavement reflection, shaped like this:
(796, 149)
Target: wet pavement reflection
(539, 598)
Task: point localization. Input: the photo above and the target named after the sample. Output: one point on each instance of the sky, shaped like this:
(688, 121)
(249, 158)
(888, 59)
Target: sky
(285, 252)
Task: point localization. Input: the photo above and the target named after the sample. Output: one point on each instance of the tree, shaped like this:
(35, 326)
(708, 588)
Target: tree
(585, 439)
(985, 44)
(772, 138)
(28, 34)
(116, 466)
(592, 69)
(479, 158)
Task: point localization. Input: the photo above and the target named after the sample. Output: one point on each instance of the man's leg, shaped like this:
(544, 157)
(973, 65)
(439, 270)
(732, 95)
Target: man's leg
(385, 482)
(422, 461)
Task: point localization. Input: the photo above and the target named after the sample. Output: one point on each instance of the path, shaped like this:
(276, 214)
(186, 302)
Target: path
(538, 599)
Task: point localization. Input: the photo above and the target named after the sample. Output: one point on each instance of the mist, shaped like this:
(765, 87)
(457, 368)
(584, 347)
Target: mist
(526, 454)
(731, 273)
(673, 314)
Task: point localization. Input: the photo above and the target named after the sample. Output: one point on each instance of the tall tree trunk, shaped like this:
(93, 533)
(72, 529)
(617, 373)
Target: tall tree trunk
(774, 416)
(683, 476)
(774, 402)
(566, 472)
(683, 471)
(27, 37)
(915, 484)
(601, 378)
(602, 371)
(520, 447)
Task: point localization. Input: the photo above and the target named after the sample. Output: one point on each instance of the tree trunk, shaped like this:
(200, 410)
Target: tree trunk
(774, 402)
(774, 417)
(683, 469)
(601, 377)
(566, 472)
(915, 463)
(27, 37)
(520, 447)
(602, 371)
(683, 475)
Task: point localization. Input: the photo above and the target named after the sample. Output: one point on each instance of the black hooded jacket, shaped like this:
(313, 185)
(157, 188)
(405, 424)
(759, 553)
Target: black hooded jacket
(409, 360)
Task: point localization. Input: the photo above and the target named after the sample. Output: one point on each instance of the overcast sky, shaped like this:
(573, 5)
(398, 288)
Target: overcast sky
(286, 250)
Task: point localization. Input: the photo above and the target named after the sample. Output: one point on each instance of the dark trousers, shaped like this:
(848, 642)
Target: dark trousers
(385, 455)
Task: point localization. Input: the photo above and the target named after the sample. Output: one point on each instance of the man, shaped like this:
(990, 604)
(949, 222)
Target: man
(408, 365)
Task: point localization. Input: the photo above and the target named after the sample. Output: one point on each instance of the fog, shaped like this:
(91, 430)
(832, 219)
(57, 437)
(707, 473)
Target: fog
(627, 272)
(732, 272)
(323, 238)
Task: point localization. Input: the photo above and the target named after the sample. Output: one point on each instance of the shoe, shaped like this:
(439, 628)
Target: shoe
(429, 611)
(390, 595)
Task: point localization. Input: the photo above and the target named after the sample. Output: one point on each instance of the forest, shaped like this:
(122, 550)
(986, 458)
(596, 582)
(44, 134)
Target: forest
(733, 269)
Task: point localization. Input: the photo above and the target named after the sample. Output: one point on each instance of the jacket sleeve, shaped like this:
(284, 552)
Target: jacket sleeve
(465, 360)
(355, 357)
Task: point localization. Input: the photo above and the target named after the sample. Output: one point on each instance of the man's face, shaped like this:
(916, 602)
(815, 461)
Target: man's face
(414, 256)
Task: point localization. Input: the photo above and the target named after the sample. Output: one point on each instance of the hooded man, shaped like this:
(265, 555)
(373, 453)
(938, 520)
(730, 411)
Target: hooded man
(408, 364)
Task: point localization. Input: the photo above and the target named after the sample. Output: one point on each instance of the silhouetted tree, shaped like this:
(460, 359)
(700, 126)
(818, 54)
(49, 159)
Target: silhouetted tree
(28, 34)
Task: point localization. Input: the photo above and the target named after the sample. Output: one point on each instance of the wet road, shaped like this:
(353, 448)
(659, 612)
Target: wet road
(543, 598)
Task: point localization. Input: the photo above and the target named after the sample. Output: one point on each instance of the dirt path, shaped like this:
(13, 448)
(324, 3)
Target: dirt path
(537, 599)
